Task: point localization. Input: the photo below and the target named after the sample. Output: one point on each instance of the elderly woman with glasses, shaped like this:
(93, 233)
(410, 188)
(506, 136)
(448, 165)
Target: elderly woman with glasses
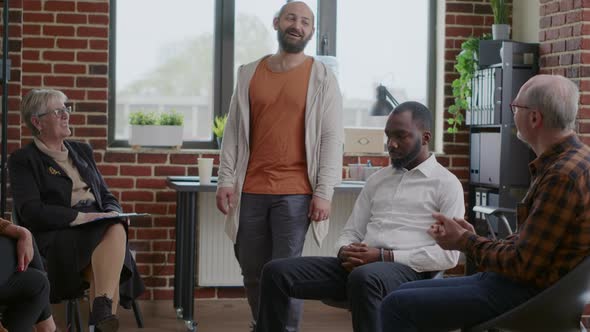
(60, 195)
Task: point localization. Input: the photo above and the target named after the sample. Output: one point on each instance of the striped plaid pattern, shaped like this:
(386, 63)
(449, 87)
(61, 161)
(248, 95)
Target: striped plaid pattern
(553, 219)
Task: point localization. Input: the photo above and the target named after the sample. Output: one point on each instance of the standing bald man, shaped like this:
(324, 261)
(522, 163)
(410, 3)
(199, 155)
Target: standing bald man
(282, 151)
(553, 222)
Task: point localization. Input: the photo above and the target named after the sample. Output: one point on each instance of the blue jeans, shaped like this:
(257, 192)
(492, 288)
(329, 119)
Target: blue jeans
(320, 278)
(452, 303)
(271, 227)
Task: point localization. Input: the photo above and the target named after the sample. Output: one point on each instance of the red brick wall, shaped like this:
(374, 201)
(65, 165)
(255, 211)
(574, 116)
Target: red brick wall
(564, 47)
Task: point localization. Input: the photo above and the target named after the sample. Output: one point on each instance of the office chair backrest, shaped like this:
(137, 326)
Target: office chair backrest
(557, 308)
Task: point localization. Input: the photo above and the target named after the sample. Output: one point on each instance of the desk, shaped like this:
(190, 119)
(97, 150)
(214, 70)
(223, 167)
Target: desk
(187, 190)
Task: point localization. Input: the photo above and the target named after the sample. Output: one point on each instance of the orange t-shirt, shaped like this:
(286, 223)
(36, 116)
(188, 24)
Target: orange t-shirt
(277, 162)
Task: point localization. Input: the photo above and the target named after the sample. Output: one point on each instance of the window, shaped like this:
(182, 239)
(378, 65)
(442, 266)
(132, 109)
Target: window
(384, 43)
(163, 61)
(183, 55)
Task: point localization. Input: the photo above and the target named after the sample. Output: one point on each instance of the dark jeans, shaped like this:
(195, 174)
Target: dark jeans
(324, 278)
(452, 303)
(26, 296)
(271, 227)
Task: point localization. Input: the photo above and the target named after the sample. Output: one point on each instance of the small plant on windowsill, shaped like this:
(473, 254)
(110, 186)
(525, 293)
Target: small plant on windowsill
(152, 129)
(141, 118)
(466, 66)
(219, 128)
(171, 118)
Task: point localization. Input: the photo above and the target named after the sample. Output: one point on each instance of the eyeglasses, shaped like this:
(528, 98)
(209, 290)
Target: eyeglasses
(514, 108)
(58, 112)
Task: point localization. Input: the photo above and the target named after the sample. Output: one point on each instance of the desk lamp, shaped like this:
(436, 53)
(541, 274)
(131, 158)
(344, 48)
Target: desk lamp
(383, 106)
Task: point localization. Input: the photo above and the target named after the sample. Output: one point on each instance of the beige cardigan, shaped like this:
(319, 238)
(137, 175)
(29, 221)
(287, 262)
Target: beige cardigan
(323, 140)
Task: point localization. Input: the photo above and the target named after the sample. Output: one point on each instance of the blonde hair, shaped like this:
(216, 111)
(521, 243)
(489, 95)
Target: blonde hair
(35, 103)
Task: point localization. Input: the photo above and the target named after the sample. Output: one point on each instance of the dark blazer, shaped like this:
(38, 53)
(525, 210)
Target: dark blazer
(42, 194)
(42, 191)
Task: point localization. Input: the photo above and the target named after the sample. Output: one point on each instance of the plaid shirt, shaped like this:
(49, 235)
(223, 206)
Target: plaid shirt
(553, 220)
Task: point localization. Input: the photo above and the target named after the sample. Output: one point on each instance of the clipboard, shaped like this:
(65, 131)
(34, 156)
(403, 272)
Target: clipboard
(124, 215)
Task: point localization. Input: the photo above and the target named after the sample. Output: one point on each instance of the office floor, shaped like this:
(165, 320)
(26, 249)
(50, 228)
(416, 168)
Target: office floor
(217, 316)
(223, 316)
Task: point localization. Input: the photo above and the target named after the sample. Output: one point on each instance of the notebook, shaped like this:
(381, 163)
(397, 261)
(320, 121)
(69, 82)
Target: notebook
(125, 215)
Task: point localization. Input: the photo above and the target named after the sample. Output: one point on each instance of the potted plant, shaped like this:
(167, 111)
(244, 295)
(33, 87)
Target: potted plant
(466, 66)
(500, 28)
(152, 129)
(218, 128)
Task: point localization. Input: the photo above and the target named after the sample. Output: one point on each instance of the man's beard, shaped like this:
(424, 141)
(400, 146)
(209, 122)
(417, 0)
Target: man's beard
(291, 47)
(402, 162)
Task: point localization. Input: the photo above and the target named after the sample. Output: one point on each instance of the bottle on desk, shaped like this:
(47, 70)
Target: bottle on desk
(368, 170)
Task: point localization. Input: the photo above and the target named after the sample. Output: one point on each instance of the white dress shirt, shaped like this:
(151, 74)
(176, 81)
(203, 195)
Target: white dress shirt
(394, 211)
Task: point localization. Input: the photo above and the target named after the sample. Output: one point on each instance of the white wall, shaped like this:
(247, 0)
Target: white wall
(525, 21)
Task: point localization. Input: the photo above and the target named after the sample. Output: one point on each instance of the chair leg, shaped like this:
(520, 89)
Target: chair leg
(78, 319)
(137, 313)
(70, 316)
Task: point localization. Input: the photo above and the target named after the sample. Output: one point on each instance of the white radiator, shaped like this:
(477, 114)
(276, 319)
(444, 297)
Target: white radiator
(217, 265)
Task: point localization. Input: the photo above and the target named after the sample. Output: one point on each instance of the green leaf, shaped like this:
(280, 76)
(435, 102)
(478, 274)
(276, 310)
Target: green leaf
(219, 125)
(466, 65)
(171, 118)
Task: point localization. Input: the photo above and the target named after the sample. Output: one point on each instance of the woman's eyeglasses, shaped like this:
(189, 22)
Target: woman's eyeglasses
(60, 112)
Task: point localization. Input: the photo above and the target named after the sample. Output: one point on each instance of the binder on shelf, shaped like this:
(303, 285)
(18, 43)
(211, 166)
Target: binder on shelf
(481, 199)
(474, 157)
(483, 96)
(477, 202)
(489, 158)
(490, 89)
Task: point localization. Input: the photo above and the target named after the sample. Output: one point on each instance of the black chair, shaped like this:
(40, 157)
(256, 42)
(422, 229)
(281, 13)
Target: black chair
(557, 308)
(73, 316)
(502, 226)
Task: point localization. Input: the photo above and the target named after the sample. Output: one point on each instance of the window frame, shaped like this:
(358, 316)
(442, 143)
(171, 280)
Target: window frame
(223, 63)
(222, 75)
(327, 29)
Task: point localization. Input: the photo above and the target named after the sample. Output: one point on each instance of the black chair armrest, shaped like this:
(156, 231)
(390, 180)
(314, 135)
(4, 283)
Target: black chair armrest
(498, 212)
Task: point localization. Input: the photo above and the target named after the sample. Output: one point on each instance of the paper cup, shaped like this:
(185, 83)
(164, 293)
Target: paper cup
(355, 172)
(205, 170)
